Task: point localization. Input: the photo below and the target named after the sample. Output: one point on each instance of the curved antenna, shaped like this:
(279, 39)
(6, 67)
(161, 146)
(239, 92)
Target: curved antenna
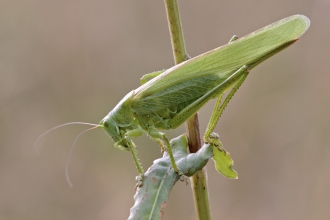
(56, 127)
(70, 154)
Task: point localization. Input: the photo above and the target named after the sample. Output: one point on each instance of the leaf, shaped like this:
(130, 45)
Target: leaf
(151, 198)
(224, 163)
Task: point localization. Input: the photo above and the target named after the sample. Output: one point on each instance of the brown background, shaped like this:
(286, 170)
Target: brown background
(63, 61)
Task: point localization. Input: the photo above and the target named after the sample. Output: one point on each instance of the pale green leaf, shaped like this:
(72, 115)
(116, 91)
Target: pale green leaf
(224, 163)
(151, 198)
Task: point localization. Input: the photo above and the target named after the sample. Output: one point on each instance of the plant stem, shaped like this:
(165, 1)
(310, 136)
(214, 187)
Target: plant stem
(199, 180)
(174, 23)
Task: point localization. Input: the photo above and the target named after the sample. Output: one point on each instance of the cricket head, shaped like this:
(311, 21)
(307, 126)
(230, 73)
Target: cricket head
(109, 125)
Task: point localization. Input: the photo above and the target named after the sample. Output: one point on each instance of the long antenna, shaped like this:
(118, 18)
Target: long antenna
(70, 154)
(56, 127)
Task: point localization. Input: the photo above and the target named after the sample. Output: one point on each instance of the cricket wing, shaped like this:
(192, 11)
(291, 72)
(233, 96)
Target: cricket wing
(223, 61)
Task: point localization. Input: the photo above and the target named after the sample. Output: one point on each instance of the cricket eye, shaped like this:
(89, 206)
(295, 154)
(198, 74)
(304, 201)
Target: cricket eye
(106, 124)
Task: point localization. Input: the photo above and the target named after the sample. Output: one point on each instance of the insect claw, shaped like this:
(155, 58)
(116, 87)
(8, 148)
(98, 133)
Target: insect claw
(139, 181)
(222, 150)
(184, 179)
(213, 139)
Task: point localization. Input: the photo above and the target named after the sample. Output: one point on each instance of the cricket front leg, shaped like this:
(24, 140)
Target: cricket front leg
(132, 148)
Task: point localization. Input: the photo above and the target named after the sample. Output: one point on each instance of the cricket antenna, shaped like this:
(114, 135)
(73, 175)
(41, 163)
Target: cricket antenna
(56, 127)
(70, 154)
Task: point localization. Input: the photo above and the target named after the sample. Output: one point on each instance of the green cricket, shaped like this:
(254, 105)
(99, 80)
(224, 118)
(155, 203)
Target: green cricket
(172, 96)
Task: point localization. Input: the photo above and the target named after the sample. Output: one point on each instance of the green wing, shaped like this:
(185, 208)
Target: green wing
(179, 86)
(165, 104)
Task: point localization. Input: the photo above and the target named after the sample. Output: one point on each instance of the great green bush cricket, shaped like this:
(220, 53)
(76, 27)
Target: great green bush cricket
(174, 95)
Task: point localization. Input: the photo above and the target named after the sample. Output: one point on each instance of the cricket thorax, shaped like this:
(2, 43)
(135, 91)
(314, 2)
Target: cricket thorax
(122, 113)
(120, 118)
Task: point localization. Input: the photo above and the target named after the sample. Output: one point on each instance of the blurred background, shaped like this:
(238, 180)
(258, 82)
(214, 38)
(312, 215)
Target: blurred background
(63, 61)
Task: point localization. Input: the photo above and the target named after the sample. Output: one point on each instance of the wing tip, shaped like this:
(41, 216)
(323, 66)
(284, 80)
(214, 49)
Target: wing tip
(304, 20)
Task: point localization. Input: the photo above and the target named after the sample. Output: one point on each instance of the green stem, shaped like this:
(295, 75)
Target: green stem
(199, 180)
(174, 22)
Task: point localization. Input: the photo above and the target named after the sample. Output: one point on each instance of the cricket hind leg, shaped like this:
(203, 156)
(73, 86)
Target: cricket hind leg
(216, 114)
(220, 107)
(155, 134)
(213, 138)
